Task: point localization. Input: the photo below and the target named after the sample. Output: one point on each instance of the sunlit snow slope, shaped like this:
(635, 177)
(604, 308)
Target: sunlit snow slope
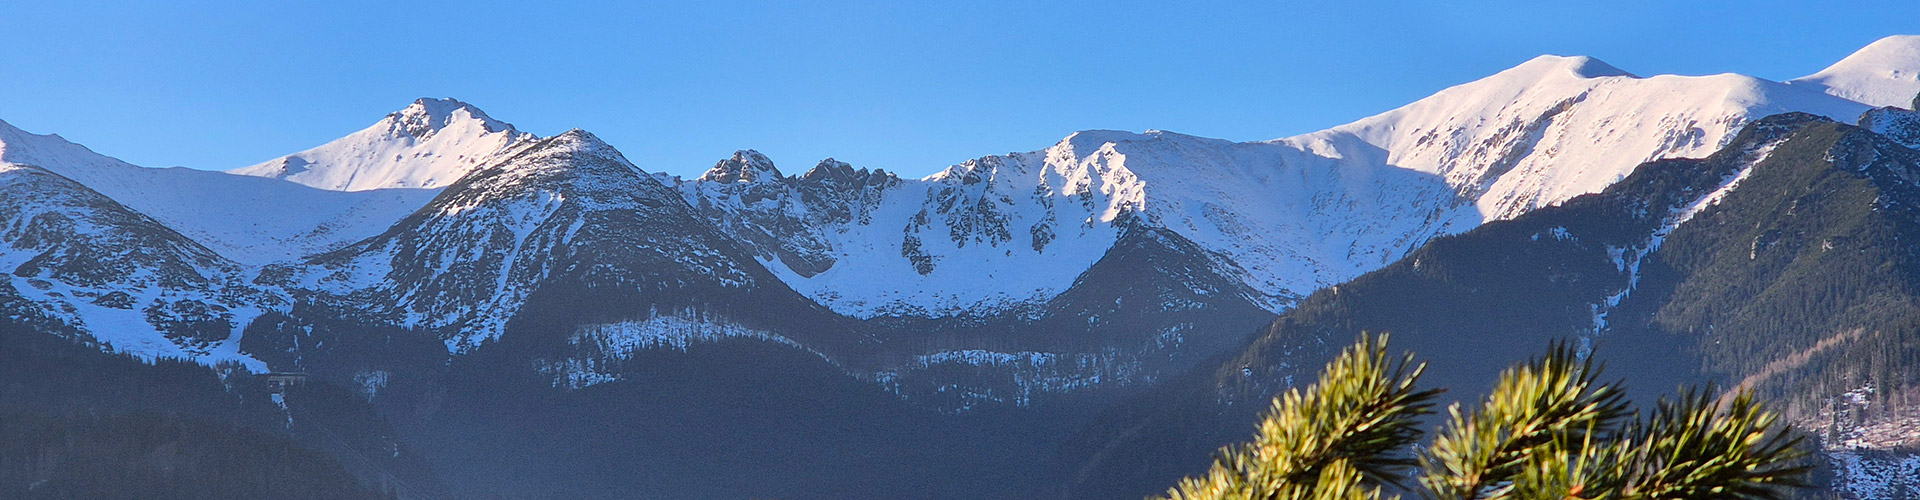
(999, 233)
(1002, 232)
(1885, 73)
(248, 219)
(1558, 127)
(429, 144)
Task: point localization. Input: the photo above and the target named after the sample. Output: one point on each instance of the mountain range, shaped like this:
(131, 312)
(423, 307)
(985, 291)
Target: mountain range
(467, 278)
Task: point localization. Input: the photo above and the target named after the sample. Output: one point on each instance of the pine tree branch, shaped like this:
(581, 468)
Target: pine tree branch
(1339, 438)
(1555, 399)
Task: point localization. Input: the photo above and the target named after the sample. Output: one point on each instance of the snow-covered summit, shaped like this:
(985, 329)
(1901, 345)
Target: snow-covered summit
(1549, 65)
(248, 219)
(1002, 233)
(569, 205)
(427, 116)
(1558, 127)
(23, 147)
(1292, 215)
(429, 144)
(1008, 232)
(1884, 73)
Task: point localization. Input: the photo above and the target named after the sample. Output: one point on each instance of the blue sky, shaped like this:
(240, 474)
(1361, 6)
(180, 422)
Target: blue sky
(906, 87)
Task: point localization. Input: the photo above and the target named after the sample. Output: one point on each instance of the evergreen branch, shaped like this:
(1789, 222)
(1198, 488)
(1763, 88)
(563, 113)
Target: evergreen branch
(1340, 438)
(1699, 448)
(1549, 430)
(1556, 399)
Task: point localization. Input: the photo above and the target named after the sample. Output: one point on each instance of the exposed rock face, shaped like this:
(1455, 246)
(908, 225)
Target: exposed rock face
(79, 260)
(1899, 125)
(569, 207)
(786, 221)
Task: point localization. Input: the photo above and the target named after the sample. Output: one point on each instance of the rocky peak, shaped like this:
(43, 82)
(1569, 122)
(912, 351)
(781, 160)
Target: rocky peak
(839, 174)
(429, 115)
(746, 166)
(830, 170)
(427, 145)
(1900, 125)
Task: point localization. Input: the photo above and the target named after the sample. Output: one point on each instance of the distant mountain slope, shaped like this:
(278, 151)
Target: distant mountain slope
(1885, 73)
(1558, 127)
(567, 207)
(467, 278)
(251, 220)
(124, 280)
(599, 261)
(1899, 125)
(983, 252)
(1007, 232)
(429, 144)
(1783, 262)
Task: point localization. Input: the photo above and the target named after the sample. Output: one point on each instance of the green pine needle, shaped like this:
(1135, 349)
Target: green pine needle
(1340, 438)
(1548, 430)
(1534, 409)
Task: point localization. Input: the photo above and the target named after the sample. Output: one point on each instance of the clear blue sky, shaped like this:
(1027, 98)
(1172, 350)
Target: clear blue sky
(911, 88)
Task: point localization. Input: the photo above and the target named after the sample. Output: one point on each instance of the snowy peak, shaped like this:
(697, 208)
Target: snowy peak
(577, 140)
(1550, 66)
(427, 116)
(429, 144)
(746, 166)
(253, 220)
(1884, 73)
(50, 151)
(575, 159)
(1558, 127)
(1088, 142)
(576, 151)
(569, 206)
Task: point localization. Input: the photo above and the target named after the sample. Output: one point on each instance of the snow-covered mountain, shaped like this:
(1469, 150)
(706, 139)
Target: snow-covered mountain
(441, 218)
(1557, 127)
(429, 144)
(1001, 233)
(1885, 73)
(83, 264)
(247, 219)
(441, 253)
(1778, 264)
(567, 206)
(786, 219)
